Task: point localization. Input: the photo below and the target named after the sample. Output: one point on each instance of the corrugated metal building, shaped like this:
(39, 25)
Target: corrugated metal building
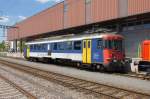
(130, 17)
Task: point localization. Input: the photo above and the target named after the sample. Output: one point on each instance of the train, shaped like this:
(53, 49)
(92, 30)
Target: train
(99, 51)
(144, 63)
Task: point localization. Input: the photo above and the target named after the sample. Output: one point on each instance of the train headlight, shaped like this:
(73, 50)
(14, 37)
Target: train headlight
(115, 60)
(109, 59)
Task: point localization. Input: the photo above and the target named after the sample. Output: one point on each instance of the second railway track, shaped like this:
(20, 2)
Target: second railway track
(99, 90)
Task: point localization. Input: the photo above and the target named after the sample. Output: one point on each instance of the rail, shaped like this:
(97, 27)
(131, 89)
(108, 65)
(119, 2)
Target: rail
(24, 92)
(93, 88)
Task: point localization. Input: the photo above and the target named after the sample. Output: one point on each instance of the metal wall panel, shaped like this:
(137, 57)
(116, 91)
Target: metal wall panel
(12, 34)
(138, 6)
(88, 13)
(104, 10)
(123, 8)
(57, 17)
(74, 14)
(47, 21)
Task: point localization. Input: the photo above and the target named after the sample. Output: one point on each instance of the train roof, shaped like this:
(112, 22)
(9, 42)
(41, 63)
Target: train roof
(74, 38)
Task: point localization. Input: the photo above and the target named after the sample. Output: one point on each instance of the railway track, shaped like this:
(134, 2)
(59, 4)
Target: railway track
(138, 76)
(87, 87)
(133, 75)
(10, 90)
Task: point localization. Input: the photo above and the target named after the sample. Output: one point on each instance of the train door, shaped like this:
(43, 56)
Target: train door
(86, 55)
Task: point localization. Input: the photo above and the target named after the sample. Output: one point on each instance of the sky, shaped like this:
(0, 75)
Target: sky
(13, 11)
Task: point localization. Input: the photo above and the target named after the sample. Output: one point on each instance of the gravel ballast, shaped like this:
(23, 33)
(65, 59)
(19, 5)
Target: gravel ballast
(133, 84)
(41, 88)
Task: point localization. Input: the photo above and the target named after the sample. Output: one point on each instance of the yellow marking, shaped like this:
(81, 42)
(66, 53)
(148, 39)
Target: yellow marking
(86, 55)
(28, 52)
(84, 52)
(88, 51)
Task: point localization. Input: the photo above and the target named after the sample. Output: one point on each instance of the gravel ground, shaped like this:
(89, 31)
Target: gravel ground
(41, 88)
(113, 80)
(9, 92)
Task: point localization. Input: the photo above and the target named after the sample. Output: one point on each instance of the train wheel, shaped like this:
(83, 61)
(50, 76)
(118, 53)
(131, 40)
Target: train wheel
(98, 67)
(78, 65)
(93, 67)
(102, 68)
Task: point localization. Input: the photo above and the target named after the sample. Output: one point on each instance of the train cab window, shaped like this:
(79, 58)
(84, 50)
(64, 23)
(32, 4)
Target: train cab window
(118, 45)
(114, 44)
(109, 44)
(77, 45)
(100, 44)
(55, 46)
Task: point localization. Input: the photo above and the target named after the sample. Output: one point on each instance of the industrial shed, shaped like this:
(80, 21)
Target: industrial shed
(127, 17)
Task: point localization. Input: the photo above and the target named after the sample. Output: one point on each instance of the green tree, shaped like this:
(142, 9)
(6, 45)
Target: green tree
(2, 46)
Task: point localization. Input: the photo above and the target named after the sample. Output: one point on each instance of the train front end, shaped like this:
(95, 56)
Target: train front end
(144, 64)
(114, 53)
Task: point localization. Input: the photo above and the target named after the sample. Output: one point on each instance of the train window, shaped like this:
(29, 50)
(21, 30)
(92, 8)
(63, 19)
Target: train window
(69, 45)
(109, 44)
(77, 45)
(39, 47)
(43, 47)
(89, 44)
(118, 44)
(31, 47)
(100, 44)
(55, 46)
(114, 44)
(61, 46)
(84, 44)
(34, 46)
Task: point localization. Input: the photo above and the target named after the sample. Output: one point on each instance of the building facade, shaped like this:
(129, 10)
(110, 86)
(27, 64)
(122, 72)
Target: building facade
(130, 18)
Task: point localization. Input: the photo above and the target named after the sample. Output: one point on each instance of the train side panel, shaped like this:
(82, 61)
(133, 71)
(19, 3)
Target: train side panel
(97, 51)
(38, 50)
(62, 51)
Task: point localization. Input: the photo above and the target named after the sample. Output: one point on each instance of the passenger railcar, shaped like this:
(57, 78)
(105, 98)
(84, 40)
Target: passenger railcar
(99, 51)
